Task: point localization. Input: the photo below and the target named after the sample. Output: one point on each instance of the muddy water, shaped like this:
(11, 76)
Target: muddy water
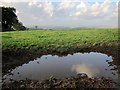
(93, 64)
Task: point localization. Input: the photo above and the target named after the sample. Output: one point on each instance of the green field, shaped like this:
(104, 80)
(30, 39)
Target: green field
(57, 39)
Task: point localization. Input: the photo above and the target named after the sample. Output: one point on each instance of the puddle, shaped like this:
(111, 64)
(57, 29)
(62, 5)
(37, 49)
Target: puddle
(93, 64)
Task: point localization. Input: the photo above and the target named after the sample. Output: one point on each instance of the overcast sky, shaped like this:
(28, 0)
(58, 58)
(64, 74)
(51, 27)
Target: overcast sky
(70, 13)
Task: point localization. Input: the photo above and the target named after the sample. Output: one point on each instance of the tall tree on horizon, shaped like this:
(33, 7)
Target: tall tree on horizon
(9, 18)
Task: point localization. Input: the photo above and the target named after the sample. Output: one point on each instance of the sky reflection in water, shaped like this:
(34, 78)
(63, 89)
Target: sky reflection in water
(93, 64)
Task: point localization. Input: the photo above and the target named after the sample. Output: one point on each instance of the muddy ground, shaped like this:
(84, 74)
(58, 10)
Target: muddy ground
(78, 82)
(17, 57)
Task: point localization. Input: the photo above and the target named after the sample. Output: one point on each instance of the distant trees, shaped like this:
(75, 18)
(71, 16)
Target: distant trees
(36, 27)
(9, 20)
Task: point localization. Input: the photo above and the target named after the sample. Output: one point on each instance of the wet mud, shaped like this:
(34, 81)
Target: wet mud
(14, 58)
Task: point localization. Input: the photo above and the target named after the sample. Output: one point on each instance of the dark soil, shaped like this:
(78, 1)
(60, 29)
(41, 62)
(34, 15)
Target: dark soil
(17, 57)
(78, 82)
(13, 58)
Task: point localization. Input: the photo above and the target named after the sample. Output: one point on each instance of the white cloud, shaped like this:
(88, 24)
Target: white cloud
(40, 5)
(8, 1)
(66, 11)
(32, 3)
(105, 6)
(95, 9)
(66, 4)
(115, 12)
(82, 7)
(85, 68)
(48, 8)
(78, 13)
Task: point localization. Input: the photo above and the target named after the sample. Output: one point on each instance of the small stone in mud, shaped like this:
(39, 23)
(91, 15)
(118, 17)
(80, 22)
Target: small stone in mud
(82, 75)
(21, 86)
(11, 79)
(9, 71)
(21, 81)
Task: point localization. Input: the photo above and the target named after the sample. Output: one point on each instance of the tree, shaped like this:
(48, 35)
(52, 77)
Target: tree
(36, 27)
(9, 19)
(18, 26)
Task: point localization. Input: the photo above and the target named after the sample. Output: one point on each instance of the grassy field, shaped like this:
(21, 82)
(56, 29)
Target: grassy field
(57, 39)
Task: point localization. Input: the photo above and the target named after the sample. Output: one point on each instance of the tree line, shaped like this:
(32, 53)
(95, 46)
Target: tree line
(9, 20)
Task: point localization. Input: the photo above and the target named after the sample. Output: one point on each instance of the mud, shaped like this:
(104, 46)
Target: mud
(14, 58)
(78, 82)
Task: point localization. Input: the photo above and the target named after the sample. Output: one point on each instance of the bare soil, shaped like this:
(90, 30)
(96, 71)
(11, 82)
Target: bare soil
(14, 58)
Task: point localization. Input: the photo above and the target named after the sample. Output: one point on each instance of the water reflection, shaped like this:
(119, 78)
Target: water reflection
(94, 64)
(89, 69)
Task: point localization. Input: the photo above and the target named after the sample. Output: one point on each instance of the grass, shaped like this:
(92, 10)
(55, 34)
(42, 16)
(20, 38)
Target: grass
(57, 39)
